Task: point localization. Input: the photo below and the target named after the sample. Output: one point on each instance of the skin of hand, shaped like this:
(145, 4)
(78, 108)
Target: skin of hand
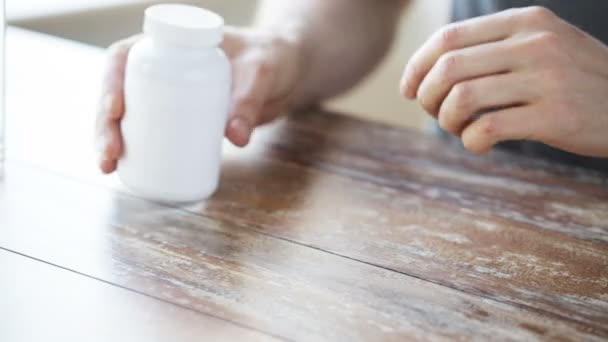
(535, 76)
(265, 68)
(299, 53)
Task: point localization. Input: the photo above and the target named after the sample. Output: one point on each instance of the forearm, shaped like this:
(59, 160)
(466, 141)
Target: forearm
(341, 41)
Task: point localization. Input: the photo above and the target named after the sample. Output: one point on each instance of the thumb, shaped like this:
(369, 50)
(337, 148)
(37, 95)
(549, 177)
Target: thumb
(251, 87)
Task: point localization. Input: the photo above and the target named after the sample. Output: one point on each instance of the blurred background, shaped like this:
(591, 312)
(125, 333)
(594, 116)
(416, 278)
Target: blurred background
(101, 22)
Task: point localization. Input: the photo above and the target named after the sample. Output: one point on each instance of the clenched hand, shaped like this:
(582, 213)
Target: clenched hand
(265, 67)
(535, 76)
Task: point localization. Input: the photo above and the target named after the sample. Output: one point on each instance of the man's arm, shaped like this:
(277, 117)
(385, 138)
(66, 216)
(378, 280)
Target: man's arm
(341, 40)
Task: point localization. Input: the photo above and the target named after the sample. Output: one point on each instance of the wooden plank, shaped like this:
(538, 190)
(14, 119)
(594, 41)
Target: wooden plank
(422, 233)
(491, 257)
(40, 302)
(283, 288)
(547, 195)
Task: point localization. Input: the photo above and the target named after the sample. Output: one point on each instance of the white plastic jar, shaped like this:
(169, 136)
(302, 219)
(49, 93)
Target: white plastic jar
(177, 89)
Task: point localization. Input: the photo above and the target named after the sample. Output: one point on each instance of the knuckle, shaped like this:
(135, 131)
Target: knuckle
(548, 40)
(511, 13)
(463, 96)
(449, 35)
(488, 126)
(529, 46)
(460, 102)
(535, 15)
(543, 47)
(447, 64)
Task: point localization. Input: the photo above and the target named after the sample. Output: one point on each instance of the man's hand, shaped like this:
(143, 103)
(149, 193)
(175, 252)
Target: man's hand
(266, 67)
(534, 75)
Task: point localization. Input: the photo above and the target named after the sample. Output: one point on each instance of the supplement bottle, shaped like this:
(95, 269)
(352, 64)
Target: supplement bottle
(177, 89)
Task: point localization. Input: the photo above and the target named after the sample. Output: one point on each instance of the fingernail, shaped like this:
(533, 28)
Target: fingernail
(240, 131)
(106, 166)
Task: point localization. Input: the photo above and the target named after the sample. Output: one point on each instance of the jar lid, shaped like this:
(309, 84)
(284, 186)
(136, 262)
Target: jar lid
(184, 25)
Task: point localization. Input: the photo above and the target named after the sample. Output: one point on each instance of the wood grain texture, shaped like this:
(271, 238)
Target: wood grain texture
(393, 215)
(503, 185)
(39, 302)
(325, 228)
(227, 270)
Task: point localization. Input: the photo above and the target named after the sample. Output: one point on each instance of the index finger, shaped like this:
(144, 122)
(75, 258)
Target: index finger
(111, 103)
(252, 82)
(455, 36)
(113, 84)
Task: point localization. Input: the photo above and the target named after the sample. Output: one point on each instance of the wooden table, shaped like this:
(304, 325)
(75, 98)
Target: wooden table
(325, 228)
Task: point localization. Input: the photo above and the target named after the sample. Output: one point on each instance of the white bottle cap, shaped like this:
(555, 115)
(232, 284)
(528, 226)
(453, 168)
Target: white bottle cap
(184, 25)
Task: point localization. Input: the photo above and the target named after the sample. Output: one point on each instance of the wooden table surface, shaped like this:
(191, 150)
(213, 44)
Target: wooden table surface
(325, 228)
